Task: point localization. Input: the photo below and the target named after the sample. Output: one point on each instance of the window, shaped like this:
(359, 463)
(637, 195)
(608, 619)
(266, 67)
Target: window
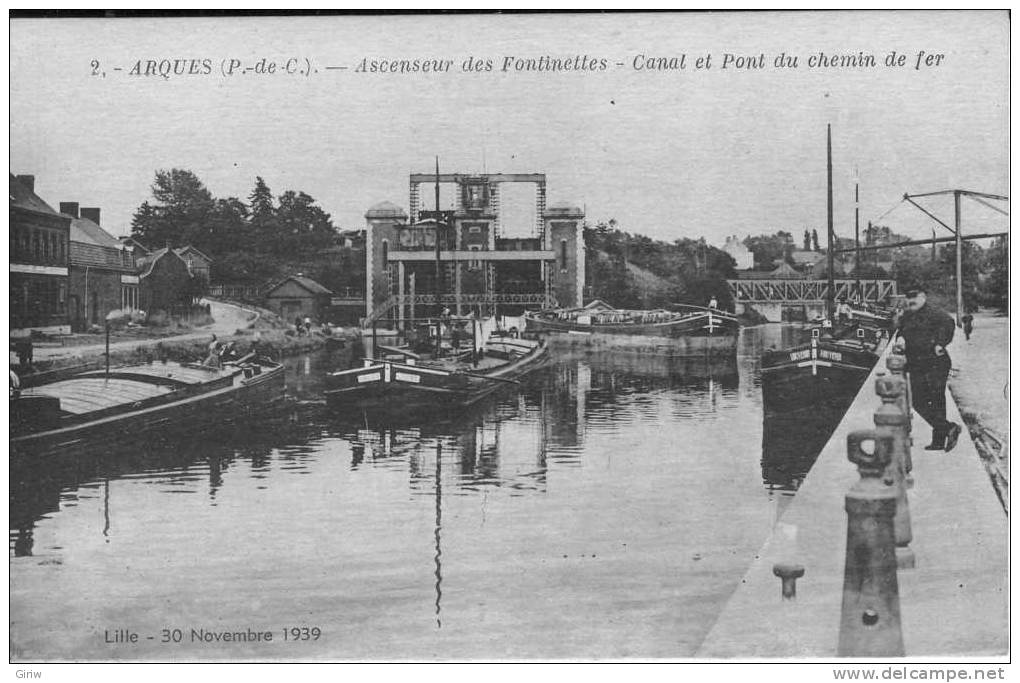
(129, 297)
(474, 264)
(563, 255)
(385, 252)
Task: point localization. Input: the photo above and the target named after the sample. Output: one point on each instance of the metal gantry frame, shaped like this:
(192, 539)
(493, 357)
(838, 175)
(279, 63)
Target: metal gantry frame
(957, 230)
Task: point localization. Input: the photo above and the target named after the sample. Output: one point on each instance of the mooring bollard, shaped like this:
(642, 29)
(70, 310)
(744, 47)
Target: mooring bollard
(870, 619)
(890, 421)
(897, 365)
(789, 573)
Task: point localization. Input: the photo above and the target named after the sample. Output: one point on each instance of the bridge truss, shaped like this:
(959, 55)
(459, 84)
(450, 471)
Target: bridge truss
(780, 291)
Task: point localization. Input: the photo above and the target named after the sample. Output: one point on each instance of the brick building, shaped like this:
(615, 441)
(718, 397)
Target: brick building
(481, 269)
(39, 254)
(103, 276)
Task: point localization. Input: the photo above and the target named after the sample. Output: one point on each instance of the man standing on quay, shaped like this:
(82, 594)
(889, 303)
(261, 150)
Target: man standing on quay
(926, 332)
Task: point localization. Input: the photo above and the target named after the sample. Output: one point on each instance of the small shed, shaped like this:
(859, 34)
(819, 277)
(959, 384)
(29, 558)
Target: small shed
(298, 296)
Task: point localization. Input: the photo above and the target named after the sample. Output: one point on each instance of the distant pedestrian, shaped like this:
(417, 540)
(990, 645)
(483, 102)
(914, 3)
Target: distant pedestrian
(968, 325)
(23, 347)
(713, 302)
(926, 333)
(308, 325)
(212, 357)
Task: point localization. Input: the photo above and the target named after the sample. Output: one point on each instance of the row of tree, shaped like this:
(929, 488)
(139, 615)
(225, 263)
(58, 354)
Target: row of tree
(249, 242)
(269, 236)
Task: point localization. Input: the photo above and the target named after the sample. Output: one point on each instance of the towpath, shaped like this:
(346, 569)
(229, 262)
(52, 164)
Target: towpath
(228, 318)
(954, 603)
(980, 384)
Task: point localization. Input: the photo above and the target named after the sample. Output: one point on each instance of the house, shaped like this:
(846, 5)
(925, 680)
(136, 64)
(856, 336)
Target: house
(165, 284)
(351, 239)
(102, 272)
(137, 249)
(739, 252)
(39, 246)
(298, 296)
(199, 264)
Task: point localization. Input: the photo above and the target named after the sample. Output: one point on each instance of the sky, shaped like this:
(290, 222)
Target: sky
(689, 153)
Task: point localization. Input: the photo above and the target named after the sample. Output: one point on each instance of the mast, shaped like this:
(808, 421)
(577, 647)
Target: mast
(439, 272)
(830, 297)
(857, 238)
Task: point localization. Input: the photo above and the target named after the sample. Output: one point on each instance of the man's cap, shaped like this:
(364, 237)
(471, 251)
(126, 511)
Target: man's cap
(914, 290)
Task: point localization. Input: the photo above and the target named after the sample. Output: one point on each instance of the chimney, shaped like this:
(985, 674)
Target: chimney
(91, 213)
(28, 181)
(70, 208)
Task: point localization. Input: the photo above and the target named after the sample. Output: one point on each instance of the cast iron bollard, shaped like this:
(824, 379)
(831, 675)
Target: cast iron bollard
(789, 573)
(870, 619)
(892, 422)
(897, 365)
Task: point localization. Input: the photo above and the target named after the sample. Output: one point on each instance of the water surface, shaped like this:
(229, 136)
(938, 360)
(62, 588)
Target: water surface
(607, 508)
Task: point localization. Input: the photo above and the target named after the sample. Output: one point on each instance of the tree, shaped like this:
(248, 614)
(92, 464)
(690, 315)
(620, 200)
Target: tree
(263, 214)
(995, 289)
(261, 201)
(180, 215)
(228, 226)
(302, 227)
(768, 249)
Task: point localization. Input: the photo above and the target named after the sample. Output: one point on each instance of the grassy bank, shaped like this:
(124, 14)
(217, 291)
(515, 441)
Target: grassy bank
(275, 343)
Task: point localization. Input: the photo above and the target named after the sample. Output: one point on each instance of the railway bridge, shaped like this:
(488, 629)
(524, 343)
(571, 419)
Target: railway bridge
(786, 298)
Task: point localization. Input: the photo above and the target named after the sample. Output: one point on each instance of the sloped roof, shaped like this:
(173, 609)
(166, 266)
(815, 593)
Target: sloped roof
(132, 243)
(181, 251)
(598, 304)
(147, 262)
(24, 198)
(87, 232)
(306, 282)
(785, 270)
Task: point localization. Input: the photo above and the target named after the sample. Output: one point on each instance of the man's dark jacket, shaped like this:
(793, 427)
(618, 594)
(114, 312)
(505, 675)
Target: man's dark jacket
(922, 330)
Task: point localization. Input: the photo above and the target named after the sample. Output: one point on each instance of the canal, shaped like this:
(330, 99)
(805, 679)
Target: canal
(606, 508)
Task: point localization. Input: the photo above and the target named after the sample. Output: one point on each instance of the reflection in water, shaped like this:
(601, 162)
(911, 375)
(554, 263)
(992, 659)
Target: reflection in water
(439, 526)
(558, 519)
(790, 446)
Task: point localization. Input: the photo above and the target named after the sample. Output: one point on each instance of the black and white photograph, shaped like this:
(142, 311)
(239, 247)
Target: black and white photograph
(485, 337)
